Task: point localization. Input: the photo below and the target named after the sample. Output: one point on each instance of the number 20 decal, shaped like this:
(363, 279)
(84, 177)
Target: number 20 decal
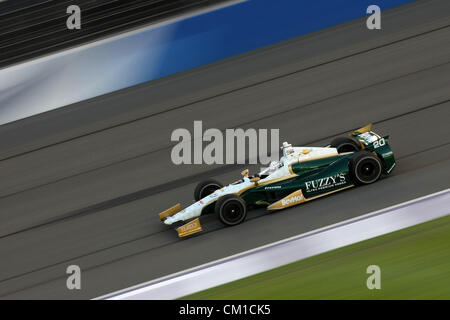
(379, 143)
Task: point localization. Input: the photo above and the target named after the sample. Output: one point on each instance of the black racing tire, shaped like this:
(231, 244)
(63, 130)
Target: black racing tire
(231, 209)
(365, 168)
(345, 144)
(205, 188)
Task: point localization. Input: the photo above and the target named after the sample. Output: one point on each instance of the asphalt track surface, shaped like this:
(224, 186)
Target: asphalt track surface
(83, 184)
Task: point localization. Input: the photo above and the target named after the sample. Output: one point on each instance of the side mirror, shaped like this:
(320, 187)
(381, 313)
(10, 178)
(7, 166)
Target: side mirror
(255, 179)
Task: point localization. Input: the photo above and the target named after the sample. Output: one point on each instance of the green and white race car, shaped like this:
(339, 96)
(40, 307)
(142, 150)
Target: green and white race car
(302, 174)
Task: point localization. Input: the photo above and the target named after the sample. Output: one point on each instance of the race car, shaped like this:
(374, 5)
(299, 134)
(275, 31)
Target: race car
(302, 174)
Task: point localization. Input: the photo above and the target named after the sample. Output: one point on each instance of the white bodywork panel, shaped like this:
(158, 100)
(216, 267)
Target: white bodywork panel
(195, 210)
(275, 171)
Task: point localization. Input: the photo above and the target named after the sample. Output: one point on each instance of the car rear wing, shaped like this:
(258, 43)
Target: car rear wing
(359, 131)
(366, 137)
(377, 144)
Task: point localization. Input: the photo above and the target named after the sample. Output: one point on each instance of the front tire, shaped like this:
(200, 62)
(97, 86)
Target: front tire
(345, 144)
(205, 188)
(365, 168)
(231, 210)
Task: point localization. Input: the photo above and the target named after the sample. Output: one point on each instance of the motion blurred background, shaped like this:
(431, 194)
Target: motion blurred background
(86, 118)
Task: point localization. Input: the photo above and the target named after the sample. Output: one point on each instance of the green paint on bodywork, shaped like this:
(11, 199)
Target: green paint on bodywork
(320, 176)
(315, 178)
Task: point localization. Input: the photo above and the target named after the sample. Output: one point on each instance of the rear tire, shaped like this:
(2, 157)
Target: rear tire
(365, 168)
(345, 144)
(205, 188)
(231, 210)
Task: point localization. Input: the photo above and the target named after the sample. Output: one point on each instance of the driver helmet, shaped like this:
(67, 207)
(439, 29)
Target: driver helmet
(287, 149)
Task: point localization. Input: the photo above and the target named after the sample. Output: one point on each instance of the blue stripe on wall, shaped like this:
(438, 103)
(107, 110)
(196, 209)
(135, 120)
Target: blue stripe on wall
(121, 62)
(255, 24)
